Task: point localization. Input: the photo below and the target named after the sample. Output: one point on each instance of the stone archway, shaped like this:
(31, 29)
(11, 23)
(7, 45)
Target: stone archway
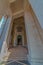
(19, 40)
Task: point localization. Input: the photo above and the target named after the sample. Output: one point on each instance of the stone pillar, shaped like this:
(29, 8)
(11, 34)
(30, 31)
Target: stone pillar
(5, 37)
(4, 51)
(35, 45)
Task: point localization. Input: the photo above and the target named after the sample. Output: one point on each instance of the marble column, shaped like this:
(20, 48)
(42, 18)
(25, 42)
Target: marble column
(5, 40)
(35, 45)
(4, 51)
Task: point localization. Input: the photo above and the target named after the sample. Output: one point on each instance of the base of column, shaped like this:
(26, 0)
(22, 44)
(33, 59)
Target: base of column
(4, 51)
(35, 61)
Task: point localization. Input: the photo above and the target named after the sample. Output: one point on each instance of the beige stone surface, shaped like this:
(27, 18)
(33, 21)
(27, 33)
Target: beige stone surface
(18, 53)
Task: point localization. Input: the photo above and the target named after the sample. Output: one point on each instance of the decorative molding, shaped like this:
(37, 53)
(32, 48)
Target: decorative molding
(10, 1)
(18, 14)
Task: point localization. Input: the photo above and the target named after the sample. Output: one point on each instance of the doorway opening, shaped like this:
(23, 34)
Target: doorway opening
(19, 40)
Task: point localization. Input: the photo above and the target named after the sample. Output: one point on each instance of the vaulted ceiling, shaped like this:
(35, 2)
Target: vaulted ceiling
(17, 7)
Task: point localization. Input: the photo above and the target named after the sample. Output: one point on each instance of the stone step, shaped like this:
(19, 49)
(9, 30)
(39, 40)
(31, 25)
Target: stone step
(12, 62)
(25, 62)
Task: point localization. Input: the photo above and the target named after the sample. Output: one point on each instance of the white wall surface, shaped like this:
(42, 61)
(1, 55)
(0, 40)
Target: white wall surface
(37, 6)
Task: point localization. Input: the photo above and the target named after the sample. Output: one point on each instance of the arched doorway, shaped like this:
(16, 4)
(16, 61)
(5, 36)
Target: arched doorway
(19, 40)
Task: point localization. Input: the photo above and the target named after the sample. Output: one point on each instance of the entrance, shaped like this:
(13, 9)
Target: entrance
(19, 40)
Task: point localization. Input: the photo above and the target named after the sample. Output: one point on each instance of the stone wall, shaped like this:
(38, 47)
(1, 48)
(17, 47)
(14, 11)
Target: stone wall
(37, 6)
(34, 41)
(4, 8)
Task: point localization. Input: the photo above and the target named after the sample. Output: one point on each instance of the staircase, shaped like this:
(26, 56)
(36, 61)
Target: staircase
(18, 56)
(18, 53)
(12, 62)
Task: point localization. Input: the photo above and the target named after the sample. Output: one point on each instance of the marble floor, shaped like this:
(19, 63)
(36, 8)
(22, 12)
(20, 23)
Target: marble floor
(18, 53)
(17, 56)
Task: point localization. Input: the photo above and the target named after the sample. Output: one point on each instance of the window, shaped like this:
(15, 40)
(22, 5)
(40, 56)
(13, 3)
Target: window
(2, 23)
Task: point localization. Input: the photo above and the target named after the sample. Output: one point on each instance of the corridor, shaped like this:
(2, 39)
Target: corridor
(17, 48)
(21, 32)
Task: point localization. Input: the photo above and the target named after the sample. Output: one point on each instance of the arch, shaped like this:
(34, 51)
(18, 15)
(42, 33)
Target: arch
(19, 40)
